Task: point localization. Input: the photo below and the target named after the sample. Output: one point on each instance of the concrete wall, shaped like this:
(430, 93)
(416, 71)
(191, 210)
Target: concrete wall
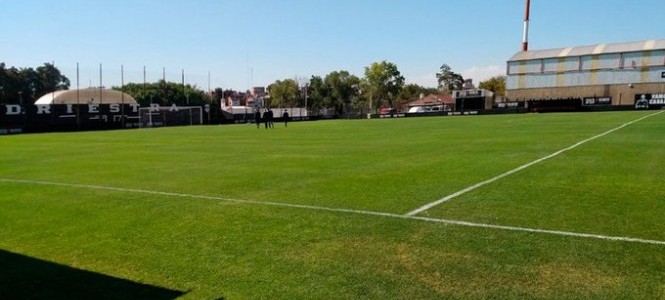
(622, 94)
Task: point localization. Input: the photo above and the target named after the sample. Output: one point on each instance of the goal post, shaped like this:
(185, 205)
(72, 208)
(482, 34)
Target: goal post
(170, 116)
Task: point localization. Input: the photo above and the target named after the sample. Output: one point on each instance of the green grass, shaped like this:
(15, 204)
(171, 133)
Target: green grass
(209, 249)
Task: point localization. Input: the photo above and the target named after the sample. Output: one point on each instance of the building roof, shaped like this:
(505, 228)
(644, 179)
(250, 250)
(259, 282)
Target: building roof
(590, 50)
(86, 96)
(433, 99)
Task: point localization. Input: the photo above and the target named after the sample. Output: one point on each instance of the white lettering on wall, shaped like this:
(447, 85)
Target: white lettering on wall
(43, 109)
(93, 108)
(13, 109)
(114, 108)
(135, 107)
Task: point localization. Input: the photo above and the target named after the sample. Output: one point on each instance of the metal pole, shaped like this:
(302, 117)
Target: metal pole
(78, 98)
(306, 111)
(164, 81)
(20, 102)
(55, 87)
(122, 96)
(100, 84)
(145, 93)
(150, 113)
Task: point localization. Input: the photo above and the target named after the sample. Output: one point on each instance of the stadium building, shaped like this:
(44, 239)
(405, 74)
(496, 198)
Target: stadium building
(86, 96)
(595, 77)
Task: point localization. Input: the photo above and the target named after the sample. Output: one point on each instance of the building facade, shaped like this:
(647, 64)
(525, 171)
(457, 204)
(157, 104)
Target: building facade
(621, 74)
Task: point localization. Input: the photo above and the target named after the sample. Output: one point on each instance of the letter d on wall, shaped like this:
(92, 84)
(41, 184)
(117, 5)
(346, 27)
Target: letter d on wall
(13, 109)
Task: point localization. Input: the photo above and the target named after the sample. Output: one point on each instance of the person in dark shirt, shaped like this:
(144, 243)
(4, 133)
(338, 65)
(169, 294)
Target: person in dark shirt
(270, 119)
(257, 118)
(285, 117)
(266, 118)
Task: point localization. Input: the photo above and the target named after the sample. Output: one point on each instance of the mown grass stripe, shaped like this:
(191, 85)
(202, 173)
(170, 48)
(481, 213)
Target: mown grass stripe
(520, 168)
(345, 210)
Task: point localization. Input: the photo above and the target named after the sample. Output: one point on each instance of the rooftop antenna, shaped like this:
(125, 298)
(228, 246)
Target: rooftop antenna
(525, 34)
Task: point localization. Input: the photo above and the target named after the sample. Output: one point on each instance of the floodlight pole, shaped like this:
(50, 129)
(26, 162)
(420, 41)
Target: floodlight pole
(306, 113)
(122, 96)
(100, 84)
(78, 98)
(20, 102)
(150, 113)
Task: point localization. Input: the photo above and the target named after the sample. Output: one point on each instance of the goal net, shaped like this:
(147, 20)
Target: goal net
(170, 116)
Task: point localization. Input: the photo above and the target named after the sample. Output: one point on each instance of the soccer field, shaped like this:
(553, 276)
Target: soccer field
(532, 206)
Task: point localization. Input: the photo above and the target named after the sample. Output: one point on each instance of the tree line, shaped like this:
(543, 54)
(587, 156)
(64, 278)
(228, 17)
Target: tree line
(382, 86)
(26, 85)
(349, 95)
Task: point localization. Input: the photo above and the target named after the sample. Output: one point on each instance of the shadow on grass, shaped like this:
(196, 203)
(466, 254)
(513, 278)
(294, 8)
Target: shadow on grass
(23, 277)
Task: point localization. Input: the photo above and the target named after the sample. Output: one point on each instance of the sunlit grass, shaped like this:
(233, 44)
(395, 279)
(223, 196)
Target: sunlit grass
(211, 249)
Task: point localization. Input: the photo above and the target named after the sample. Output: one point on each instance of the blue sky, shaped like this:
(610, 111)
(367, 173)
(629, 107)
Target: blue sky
(246, 43)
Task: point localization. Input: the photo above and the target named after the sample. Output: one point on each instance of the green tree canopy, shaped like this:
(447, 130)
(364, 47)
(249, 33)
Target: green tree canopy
(317, 92)
(283, 93)
(165, 93)
(343, 88)
(449, 80)
(496, 84)
(413, 91)
(382, 84)
(27, 85)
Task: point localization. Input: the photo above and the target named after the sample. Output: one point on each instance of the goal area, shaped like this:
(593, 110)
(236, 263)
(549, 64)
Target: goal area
(170, 116)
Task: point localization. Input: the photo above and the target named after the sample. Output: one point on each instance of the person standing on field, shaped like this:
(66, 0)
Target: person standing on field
(257, 118)
(266, 118)
(270, 119)
(285, 116)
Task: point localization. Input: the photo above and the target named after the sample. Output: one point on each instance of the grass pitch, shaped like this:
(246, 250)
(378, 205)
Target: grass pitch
(128, 209)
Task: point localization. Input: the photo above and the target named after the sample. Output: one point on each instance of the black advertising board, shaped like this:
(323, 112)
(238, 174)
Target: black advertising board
(15, 118)
(592, 101)
(646, 101)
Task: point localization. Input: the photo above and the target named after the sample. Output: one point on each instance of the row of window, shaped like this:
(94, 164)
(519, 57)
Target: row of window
(612, 61)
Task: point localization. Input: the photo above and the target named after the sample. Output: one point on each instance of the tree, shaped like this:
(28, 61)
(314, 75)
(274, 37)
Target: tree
(11, 83)
(496, 84)
(283, 93)
(50, 79)
(383, 82)
(449, 80)
(218, 95)
(165, 93)
(342, 87)
(413, 91)
(317, 93)
(27, 84)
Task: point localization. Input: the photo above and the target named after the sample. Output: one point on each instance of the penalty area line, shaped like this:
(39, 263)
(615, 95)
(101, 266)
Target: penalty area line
(347, 211)
(520, 168)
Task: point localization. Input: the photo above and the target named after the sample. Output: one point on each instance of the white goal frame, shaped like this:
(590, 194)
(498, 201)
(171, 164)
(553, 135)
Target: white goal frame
(158, 116)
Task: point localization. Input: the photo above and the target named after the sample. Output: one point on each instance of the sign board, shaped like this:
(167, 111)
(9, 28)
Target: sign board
(597, 101)
(649, 101)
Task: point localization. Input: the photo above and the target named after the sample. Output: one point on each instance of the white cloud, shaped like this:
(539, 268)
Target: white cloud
(427, 80)
(479, 74)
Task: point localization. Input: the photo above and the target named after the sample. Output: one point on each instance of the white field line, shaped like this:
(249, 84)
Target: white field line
(520, 168)
(347, 211)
